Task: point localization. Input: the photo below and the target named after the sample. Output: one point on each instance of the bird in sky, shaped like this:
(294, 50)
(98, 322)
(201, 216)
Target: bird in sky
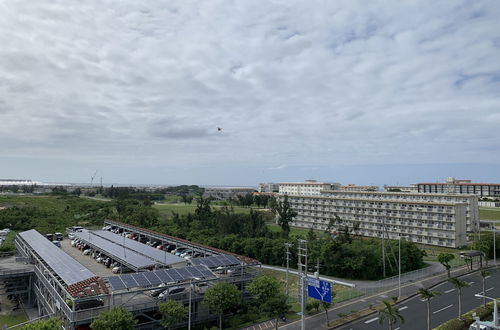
(219, 129)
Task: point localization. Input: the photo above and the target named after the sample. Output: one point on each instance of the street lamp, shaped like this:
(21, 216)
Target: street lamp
(288, 246)
(494, 229)
(190, 299)
(495, 308)
(399, 277)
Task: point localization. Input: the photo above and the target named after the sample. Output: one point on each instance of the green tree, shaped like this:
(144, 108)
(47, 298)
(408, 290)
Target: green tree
(391, 314)
(445, 259)
(312, 304)
(459, 284)
(327, 306)
(428, 295)
(263, 288)
(221, 297)
(116, 318)
(484, 275)
(172, 312)
(285, 215)
(49, 324)
(277, 307)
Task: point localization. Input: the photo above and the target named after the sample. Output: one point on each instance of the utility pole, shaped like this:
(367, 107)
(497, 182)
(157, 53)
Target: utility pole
(383, 248)
(494, 245)
(302, 265)
(288, 246)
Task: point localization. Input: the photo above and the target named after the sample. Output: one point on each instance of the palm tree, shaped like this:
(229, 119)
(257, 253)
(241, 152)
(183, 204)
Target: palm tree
(428, 295)
(391, 314)
(484, 275)
(459, 284)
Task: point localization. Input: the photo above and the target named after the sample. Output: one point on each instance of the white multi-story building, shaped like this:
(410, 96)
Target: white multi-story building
(307, 188)
(411, 188)
(353, 187)
(434, 223)
(471, 201)
(454, 186)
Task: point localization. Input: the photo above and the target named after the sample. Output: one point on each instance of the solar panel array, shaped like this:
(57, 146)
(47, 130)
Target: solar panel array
(132, 258)
(221, 260)
(158, 255)
(67, 268)
(156, 277)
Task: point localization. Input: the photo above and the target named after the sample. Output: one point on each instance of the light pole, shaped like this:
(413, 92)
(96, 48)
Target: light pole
(495, 308)
(494, 245)
(190, 300)
(399, 277)
(288, 246)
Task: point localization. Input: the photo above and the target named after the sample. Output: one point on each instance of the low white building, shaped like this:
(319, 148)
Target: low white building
(307, 188)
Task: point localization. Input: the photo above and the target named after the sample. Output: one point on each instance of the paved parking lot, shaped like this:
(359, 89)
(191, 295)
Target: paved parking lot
(87, 261)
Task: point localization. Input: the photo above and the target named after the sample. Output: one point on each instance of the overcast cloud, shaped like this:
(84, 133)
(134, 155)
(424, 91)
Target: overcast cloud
(137, 89)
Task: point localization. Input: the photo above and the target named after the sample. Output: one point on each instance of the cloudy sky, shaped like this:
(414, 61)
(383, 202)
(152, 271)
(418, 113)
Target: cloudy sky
(366, 92)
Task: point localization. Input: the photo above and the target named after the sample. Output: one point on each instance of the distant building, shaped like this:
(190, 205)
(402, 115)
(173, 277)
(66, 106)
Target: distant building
(268, 187)
(306, 188)
(224, 193)
(410, 189)
(353, 187)
(18, 182)
(454, 186)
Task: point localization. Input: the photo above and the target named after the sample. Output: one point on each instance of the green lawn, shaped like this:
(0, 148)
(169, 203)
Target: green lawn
(489, 213)
(342, 292)
(13, 319)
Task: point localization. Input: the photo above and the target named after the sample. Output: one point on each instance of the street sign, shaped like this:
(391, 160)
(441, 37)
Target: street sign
(318, 289)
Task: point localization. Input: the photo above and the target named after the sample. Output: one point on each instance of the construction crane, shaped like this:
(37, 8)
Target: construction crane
(92, 178)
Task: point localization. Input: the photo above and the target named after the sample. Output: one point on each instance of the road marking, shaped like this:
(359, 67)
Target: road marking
(402, 309)
(442, 309)
(450, 290)
(370, 321)
(470, 283)
(397, 328)
(487, 277)
(488, 289)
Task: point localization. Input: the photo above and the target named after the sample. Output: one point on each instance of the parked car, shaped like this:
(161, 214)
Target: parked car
(50, 237)
(171, 291)
(58, 236)
(57, 243)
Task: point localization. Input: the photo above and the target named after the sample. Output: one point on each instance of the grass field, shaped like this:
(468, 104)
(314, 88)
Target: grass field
(342, 292)
(489, 213)
(12, 319)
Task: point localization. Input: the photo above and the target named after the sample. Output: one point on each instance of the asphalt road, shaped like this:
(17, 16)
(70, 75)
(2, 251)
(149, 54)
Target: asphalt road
(443, 307)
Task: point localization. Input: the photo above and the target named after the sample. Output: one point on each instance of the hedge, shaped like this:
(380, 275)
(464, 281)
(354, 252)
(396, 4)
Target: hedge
(467, 318)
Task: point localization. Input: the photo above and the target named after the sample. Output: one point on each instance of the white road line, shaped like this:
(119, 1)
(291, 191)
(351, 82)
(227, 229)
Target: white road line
(488, 289)
(402, 309)
(442, 309)
(371, 320)
(487, 277)
(450, 290)
(470, 283)
(397, 328)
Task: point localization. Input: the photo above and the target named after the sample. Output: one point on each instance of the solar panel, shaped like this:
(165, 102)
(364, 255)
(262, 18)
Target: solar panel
(184, 273)
(194, 271)
(175, 275)
(116, 251)
(216, 261)
(163, 276)
(129, 281)
(158, 276)
(141, 280)
(116, 283)
(152, 278)
(65, 266)
(159, 256)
